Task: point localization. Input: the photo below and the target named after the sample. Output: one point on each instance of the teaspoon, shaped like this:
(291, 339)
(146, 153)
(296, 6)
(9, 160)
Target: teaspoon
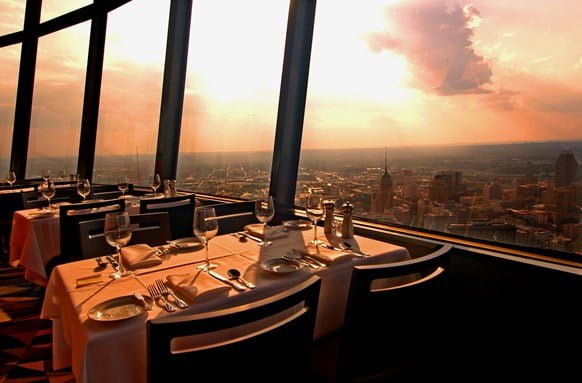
(235, 274)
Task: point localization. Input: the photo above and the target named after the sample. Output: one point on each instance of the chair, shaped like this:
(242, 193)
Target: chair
(392, 327)
(233, 216)
(180, 210)
(282, 328)
(152, 229)
(11, 201)
(71, 215)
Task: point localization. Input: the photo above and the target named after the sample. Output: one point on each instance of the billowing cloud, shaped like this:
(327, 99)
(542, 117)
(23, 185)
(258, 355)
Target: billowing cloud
(437, 42)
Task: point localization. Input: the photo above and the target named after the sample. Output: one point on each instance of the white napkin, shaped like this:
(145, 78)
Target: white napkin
(257, 229)
(327, 256)
(197, 286)
(140, 256)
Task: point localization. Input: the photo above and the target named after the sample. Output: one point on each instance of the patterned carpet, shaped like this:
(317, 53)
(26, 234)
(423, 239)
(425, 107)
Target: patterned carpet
(25, 339)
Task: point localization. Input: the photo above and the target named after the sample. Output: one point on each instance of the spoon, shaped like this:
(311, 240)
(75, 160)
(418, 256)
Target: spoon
(140, 297)
(235, 274)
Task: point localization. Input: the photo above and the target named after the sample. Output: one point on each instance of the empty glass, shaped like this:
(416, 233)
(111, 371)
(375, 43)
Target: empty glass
(11, 178)
(83, 188)
(156, 184)
(117, 230)
(122, 185)
(314, 210)
(48, 190)
(265, 211)
(205, 228)
(46, 174)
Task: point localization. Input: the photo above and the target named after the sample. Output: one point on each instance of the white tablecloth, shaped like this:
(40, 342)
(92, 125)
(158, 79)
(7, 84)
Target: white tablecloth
(116, 351)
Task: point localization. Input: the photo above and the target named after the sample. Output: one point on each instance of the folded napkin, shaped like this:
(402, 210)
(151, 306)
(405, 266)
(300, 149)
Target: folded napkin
(140, 256)
(197, 286)
(327, 256)
(257, 229)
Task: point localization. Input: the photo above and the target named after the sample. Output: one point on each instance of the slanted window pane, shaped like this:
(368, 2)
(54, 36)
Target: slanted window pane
(131, 92)
(232, 92)
(10, 59)
(57, 104)
(11, 16)
(461, 118)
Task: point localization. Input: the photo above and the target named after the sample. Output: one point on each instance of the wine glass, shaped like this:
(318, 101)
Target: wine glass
(122, 185)
(264, 211)
(314, 210)
(205, 228)
(48, 190)
(11, 178)
(156, 184)
(46, 174)
(117, 230)
(83, 188)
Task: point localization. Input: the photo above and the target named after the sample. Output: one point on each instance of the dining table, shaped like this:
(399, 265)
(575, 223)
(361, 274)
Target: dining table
(101, 344)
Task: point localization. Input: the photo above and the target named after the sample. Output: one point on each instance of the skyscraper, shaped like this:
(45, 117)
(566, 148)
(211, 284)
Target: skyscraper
(383, 199)
(566, 169)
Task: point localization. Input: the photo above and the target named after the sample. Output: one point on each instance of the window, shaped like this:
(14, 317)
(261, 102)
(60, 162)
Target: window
(57, 101)
(55, 8)
(10, 59)
(231, 97)
(131, 92)
(11, 16)
(455, 118)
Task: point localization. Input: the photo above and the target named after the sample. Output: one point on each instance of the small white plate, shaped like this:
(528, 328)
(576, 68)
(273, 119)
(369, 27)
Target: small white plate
(118, 308)
(298, 224)
(280, 266)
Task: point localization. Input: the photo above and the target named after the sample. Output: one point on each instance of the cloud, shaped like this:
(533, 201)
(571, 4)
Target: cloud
(436, 40)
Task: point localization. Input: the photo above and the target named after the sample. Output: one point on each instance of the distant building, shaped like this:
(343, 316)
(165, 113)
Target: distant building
(383, 199)
(492, 191)
(566, 169)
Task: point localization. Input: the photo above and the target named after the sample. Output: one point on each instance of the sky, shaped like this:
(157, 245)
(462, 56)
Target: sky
(382, 73)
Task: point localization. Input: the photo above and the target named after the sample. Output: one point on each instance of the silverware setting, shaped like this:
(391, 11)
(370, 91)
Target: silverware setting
(140, 298)
(235, 274)
(165, 291)
(292, 257)
(249, 236)
(234, 284)
(344, 249)
(113, 262)
(158, 296)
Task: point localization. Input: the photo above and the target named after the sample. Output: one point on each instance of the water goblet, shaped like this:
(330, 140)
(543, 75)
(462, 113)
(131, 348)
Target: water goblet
(11, 178)
(265, 211)
(83, 188)
(46, 174)
(314, 210)
(117, 228)
(122, 185)
(205, 228)
(156, 184)
(48, 190)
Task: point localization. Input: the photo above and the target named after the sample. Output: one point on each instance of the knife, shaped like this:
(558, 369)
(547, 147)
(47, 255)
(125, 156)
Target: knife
(237, 286)
(249, 236)
(359, 255)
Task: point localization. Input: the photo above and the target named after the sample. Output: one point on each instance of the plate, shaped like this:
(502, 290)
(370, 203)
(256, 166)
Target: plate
(280, 266)
(298, 224)
(186, 243)
(118, 308)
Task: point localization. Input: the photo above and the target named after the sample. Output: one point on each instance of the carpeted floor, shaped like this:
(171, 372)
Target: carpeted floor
(25, 339)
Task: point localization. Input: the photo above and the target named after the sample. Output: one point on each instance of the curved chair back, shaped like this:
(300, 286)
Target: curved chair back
(180, 210)
(233, 216)
(152, 229)
(260, 337)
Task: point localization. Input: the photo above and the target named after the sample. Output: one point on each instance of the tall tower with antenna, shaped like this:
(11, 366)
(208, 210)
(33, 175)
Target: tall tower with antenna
(386, 194)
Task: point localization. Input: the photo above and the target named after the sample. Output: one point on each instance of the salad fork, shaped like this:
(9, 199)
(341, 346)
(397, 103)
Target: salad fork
(156, 294)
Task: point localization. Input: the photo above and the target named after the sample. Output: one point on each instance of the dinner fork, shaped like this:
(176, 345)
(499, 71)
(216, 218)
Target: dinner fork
(156, 294)
(164, 290)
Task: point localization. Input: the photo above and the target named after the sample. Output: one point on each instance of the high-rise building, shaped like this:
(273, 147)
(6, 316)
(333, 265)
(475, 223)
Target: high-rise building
(383, 199)
(566, 169)
(492, 191)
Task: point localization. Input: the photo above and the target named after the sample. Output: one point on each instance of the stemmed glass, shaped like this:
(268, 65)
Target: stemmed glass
(117, 234)
(205, 228)
(46, 174)
(264, 211)
(11, 178)
(156, 184)
(314, 210)
(122, 185)
(83, 188)
(48, 190)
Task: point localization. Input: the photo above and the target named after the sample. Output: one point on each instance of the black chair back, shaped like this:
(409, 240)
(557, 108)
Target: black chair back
(180, 210)
(233, 216)
(152, 229)
(282, 331)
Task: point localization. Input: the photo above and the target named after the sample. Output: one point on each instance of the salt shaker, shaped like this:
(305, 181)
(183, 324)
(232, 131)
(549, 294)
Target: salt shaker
(328, 223)
(347, 224)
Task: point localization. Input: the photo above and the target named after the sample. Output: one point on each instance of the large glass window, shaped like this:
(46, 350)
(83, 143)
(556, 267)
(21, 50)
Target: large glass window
(11, 16)
(457, 117)
(57, 104)
(131, 92)
(55, 8)
(10, 59)
(232, 91)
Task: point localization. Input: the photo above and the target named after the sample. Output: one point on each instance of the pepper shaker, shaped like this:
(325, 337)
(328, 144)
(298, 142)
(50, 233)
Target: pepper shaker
(347, 224)
(328, 223)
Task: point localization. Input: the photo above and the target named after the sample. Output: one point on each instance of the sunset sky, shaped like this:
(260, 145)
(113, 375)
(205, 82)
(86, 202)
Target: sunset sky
(383, 73)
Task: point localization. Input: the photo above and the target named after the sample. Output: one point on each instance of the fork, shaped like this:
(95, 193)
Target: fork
(164, 290)
(155, 293)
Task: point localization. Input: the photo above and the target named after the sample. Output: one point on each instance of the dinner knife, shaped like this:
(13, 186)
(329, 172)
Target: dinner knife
(250, 236)
(237, 286)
